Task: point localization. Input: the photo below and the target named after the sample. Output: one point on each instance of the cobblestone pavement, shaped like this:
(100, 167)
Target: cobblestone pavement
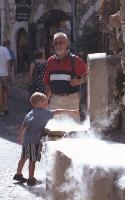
(10, 151)
(18, 107)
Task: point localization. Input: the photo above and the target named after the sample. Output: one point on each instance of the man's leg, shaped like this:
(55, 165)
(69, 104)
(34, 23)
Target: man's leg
(5, 93)
(83, 102)
(1, 98)
(12, 75)
(5, 100)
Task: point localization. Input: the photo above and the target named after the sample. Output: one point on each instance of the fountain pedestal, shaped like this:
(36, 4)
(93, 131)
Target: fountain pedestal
(73, 180)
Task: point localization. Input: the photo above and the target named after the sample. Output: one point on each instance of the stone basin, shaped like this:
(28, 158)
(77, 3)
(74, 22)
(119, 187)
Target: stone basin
(86, 169)
(61, 127)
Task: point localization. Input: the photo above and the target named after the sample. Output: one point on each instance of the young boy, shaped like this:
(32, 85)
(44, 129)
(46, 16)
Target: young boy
(31, 132)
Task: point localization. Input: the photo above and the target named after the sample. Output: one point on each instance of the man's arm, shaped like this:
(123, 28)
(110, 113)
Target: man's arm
(9, 66)
(77, 81)
(8, 61)
(48, 91)
(80, 71)
(47, 81)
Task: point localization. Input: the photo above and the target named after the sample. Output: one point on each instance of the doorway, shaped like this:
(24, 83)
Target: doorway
(54, 21)
(22, 51)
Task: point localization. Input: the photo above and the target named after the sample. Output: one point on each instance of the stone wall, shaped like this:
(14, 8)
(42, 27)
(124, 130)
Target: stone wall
(7, 18)
(104, 91)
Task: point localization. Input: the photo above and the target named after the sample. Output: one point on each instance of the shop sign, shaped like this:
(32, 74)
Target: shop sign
(23, 8)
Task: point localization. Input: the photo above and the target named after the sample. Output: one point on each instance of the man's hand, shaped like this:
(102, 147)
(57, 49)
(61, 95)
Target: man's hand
(75, 81)
(84, 78)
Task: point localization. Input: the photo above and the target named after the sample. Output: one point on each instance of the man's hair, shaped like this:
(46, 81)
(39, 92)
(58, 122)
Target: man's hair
(36, 97)
(60, 34)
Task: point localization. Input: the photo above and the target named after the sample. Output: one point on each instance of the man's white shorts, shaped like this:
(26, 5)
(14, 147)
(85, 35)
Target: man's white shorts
(70, 101)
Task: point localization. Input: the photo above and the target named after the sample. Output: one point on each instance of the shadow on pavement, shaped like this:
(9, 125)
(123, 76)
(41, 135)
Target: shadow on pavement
(37, 191)
(18, 107)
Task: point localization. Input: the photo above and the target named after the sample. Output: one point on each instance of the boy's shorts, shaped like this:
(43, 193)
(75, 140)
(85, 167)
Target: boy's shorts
(32, 151)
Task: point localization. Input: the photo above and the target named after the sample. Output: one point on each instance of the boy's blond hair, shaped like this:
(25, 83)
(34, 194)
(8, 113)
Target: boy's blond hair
(36, 97)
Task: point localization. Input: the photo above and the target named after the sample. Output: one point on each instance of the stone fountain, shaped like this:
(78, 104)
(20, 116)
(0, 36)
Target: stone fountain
(83, 166)
(86, 167)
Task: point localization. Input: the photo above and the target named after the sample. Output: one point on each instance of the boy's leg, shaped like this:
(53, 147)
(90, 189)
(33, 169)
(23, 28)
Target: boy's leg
(35, 154)
(31, 168)
(21, 165)
(18, 176)
(31, 180)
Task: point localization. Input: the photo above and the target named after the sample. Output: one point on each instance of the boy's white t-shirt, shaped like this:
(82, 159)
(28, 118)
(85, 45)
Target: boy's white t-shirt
(4, 58)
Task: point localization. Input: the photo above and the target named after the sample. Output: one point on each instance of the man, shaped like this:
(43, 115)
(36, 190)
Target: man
(4, 79)
(13, 59)
(63, 75)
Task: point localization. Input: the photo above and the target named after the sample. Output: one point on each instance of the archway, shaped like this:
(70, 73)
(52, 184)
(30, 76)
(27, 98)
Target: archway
(54, 20)
(22, 50)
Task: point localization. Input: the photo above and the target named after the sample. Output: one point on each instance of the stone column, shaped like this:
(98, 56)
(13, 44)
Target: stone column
(98, 88)
(103, 97)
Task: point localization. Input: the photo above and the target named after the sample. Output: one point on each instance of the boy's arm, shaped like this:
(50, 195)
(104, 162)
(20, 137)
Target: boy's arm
(20, 134)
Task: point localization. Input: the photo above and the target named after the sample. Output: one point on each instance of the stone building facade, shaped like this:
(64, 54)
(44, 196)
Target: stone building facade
(11, 29)
(76, 18)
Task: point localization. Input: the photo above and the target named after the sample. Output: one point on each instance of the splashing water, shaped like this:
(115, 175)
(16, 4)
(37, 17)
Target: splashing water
(94, 163)
(67, 124)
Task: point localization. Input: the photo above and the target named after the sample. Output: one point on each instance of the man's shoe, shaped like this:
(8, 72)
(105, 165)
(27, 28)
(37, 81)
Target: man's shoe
(19, 178)
(31, 181)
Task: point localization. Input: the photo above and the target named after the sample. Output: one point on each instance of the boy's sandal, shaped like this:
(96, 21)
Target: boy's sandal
(19, 178)
(31, 181)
